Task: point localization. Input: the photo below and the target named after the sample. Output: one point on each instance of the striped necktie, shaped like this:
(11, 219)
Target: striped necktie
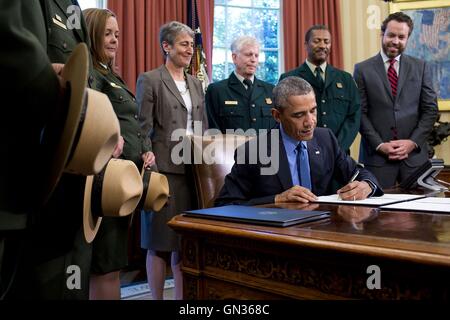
(393, 78)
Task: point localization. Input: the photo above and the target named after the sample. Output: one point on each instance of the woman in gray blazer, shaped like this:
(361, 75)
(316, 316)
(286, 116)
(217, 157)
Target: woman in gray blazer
(170, 100)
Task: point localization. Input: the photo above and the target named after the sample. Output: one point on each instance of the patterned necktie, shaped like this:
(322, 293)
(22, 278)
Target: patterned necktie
(319, 77)
(248, 83)
(303, 166)
(392, 76)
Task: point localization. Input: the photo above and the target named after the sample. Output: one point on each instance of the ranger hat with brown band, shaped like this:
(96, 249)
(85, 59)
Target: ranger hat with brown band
(114, 192)
(82, 134)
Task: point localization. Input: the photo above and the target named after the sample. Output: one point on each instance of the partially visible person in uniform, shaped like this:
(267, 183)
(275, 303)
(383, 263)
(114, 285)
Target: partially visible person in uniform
(337, 97)
(242, 101)
(169, 100)
(399, 105)
(30, 93)
(57, 240)
(110, 246)
(66, 28)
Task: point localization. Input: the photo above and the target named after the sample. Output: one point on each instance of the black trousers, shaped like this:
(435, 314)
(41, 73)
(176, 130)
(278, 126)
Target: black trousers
(12, 245)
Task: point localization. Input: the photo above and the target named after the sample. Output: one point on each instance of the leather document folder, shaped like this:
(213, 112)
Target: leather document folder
(274, 217)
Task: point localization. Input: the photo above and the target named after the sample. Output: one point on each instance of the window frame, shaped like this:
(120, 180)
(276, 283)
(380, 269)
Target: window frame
(228, 41)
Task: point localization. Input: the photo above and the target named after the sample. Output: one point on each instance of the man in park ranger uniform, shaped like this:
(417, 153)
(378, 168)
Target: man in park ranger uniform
(242, 101)
(337, 97)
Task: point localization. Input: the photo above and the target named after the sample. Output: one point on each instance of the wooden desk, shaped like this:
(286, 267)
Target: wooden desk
(327, 259)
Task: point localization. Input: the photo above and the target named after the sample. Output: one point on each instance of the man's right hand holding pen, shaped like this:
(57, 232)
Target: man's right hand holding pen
(355, 190)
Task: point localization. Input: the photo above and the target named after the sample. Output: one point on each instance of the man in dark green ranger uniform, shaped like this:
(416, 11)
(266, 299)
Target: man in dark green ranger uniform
(242, 101)
(337, 97)
(30, 93)
(58, 256)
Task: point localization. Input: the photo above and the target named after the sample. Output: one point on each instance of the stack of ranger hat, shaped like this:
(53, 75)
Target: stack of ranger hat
(118, 190)
(114, 192)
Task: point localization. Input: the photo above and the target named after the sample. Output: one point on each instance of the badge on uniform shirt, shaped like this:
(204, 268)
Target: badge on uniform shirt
(339, 85)
(268, 101)
(115, 85)
(59, 23)
(58, 18)
(231, 103)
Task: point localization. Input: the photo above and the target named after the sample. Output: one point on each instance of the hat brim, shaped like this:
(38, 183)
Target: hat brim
(159, 183)
(62, 136)
(156, 191)
(91, 222)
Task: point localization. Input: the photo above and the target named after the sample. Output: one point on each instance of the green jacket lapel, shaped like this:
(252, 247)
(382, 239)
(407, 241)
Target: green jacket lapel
(306, 73)
(237, 86)
(330, 75)
(258, 90)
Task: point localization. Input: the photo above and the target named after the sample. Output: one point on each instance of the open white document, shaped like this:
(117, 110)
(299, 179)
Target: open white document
(426, 204)
(373, 201)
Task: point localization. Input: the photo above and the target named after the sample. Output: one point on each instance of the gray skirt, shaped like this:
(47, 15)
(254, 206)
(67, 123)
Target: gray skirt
(155, 233)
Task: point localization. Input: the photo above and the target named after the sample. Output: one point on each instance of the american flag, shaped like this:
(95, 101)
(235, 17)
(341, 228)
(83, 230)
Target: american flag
(433, 22)
(198, 63)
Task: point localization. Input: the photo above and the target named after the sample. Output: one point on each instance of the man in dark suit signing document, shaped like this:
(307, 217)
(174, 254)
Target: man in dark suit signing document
(307, 158)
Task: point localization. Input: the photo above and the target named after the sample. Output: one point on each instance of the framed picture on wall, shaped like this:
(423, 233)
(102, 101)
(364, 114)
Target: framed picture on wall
(430, 40)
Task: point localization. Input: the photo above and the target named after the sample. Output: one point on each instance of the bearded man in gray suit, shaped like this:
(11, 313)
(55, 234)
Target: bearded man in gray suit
(398, 105)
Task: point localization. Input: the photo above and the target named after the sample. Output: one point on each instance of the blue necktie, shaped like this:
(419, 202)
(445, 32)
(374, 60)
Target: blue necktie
(303, 166)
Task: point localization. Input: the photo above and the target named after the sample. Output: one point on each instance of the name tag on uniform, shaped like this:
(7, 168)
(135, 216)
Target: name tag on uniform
(231, 103)
(339, 85)
(59, 23)
(268, 101)
(115, 85)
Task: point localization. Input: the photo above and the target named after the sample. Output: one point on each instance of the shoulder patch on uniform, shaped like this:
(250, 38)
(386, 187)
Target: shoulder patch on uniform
(268, 101)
